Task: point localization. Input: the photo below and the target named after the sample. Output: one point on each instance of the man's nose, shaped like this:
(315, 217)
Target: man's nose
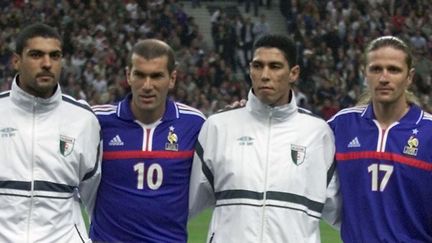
(147, 83)
(265, 75)
(46, 61)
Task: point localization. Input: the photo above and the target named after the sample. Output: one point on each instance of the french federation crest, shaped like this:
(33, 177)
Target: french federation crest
(66, 145)
(298, 154)
(172, 144)
(412, 144)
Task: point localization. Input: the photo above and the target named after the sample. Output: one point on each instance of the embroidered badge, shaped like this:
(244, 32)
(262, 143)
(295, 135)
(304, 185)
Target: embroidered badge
(8, 132)
(412, 144)
(66, 145)
(172, 144)
(298, 154)
(245, 140)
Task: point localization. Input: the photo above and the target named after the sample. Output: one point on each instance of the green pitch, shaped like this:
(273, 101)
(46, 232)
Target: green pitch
(198, 226)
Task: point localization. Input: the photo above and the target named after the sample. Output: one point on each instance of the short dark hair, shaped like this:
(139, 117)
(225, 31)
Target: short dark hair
(32, 31)
(391, 41)
(281, 42)
(153, 48)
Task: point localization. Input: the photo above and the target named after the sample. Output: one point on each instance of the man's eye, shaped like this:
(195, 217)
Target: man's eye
(374, 69)
(275, 66)
(157, 76)
(56, 55)
(36, 54)
(256, 65)
(394, 69)
(138, 75)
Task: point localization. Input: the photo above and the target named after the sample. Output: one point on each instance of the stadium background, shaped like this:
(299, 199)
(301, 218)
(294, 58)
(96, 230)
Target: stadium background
(210, 42)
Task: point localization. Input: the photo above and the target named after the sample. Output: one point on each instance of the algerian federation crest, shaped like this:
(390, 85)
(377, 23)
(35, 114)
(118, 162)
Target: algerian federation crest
(298, 154)
(66, 145)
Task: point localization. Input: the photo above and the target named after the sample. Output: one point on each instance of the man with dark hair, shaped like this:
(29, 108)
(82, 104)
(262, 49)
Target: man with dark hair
(267, 168)
(383, 151)
(148, 149)
(49, 147)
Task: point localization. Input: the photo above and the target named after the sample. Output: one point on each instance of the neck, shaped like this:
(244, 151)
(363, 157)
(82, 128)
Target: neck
(146, 117)
(389, 113)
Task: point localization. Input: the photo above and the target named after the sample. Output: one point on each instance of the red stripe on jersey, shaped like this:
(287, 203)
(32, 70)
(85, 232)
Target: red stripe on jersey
(397, 158)
(146, 155)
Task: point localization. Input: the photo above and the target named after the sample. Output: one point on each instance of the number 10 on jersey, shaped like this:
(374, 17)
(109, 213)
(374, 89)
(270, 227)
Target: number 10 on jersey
(153, 175)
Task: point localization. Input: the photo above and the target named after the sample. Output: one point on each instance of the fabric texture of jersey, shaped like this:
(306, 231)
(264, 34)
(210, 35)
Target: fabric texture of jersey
(385, 176)
(143, 196)
(49, 155)
(268, 172)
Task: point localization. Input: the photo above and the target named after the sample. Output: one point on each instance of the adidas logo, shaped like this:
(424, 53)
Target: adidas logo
(354, 143)
(116, 141)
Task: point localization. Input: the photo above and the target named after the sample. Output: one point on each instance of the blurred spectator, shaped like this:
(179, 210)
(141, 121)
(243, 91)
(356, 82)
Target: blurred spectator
(330, 36)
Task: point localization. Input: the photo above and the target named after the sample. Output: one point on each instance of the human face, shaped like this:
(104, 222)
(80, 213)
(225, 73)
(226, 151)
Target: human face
(39, 66)
(387, 75)
(272, 76)
(150, 82)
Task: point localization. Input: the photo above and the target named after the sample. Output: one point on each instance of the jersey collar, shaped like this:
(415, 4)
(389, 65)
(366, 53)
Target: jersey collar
(413, 116)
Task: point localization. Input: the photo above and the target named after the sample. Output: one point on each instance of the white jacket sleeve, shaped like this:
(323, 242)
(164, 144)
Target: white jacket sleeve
(333, 204)
(201, 193)
(332, 207)
(91, 167)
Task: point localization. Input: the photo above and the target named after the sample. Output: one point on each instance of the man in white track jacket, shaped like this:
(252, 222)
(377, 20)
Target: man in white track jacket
(267, 168)
(49, 148)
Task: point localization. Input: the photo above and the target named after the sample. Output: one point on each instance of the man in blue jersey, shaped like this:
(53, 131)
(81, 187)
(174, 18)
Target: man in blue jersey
(383, 153)
(148, 143)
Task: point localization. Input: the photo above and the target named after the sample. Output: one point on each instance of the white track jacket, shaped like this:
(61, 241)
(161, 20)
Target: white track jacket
(49, 155)
(268, 172)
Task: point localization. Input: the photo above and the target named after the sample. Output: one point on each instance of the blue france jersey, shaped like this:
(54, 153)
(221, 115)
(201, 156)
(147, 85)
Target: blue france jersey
(143, 194)
(385, 176)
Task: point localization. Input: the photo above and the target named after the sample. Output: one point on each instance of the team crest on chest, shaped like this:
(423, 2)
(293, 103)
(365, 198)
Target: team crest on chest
(298, 154)
(172, 144)
(412, 145)
(66, 145)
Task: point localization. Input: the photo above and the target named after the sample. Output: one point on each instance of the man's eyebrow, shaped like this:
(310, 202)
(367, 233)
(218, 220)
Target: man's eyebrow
(41, 51)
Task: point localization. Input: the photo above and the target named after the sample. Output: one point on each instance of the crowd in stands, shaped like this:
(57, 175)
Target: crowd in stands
(330, 34)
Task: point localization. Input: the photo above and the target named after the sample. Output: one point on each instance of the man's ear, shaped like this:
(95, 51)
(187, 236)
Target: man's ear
(16, 61)
(294, 73)
(410, 77)
(173, 79)
(127, 73)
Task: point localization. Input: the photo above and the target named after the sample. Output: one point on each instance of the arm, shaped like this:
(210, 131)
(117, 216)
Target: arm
(201, 192)
(332, 207)
(91, 167)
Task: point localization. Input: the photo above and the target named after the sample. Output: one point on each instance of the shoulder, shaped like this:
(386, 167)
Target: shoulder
(229, 119)
(427, 117)
(426, 121)
(4, 94)
(79, 112)
(189, 112)
(228, 113)
(309, 121)
(307, 113)
(348, 112)
(106, 109)
(4, 98)
(77, 105)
